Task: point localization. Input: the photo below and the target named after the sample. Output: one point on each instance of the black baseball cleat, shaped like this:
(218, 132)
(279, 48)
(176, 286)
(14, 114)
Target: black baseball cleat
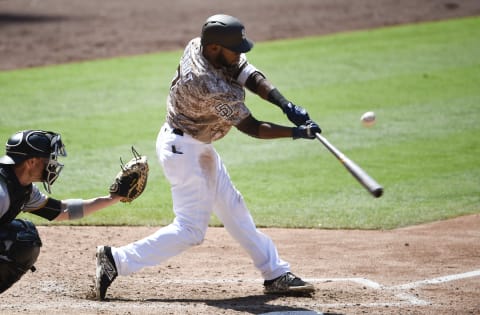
(106, 271)
(288, 284)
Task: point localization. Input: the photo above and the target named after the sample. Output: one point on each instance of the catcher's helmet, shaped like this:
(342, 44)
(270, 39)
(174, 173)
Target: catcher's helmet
(36, 143)
(226, 31)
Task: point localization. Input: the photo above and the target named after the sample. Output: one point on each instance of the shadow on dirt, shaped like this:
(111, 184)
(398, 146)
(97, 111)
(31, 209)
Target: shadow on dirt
(254, 304)
(12, 18)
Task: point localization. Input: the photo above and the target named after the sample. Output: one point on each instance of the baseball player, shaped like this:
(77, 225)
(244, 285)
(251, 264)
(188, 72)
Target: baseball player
(32, 156)
(207, 98)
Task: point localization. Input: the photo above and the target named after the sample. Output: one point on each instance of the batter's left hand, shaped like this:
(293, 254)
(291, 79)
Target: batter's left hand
(296, 114)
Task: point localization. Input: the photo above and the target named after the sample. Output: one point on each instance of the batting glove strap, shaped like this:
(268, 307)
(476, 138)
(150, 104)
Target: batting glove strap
(306, 131)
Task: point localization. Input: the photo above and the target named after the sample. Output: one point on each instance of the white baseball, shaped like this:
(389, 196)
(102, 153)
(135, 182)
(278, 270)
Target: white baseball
(368, 119)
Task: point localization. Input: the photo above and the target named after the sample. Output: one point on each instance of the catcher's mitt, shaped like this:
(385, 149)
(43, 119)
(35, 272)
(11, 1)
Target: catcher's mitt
(131, 181)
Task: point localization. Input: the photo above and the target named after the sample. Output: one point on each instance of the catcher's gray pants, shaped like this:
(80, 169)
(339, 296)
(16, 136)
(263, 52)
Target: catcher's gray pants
(200, 184)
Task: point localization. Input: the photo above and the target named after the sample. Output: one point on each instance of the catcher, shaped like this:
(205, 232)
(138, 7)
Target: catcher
(32, 156)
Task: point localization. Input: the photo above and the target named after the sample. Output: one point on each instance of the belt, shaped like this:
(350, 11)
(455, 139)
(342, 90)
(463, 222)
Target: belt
(177, 131)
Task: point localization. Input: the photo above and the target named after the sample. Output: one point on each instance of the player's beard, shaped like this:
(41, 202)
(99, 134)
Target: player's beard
(221, 60)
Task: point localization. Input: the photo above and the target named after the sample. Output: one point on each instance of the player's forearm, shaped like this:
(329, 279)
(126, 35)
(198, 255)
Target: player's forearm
(73, 209)
(95, 204)
(275, 97)
(268, 130)
(263, 130)
(257, 83)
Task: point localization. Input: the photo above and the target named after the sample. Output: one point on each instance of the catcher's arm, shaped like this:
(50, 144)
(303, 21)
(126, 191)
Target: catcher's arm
(128, 185)
(72, 209)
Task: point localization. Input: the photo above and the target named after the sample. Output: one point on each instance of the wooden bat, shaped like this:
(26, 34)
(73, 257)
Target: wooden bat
(362, 177)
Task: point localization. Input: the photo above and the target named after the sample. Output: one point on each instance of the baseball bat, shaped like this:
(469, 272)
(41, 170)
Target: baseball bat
(360, 175)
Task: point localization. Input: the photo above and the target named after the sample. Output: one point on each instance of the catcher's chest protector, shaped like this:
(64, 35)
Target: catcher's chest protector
(19, 249)
(18, 194)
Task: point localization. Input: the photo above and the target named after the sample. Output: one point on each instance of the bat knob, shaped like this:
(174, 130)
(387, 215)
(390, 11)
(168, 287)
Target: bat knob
(378, 192)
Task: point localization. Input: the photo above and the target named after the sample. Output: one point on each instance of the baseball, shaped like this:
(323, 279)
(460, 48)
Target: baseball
(368, 119)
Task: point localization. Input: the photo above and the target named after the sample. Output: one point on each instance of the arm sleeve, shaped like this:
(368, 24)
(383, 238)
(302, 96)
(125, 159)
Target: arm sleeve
(254, 80)
(246, 70)
(43, 206)
(50, 210)
(275, 97)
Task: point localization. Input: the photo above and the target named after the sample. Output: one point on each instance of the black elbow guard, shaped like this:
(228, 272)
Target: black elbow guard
(254, 81)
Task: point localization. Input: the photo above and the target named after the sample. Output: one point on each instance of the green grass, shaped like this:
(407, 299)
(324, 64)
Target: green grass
(423, 81)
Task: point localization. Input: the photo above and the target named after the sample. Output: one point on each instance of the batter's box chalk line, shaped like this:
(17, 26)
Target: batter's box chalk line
(399, 291)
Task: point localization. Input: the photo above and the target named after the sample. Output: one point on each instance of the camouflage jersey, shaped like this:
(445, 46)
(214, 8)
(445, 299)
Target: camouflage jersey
(205, 102)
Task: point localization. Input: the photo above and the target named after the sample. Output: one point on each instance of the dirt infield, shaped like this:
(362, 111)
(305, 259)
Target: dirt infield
(428, 269)
(40, 32)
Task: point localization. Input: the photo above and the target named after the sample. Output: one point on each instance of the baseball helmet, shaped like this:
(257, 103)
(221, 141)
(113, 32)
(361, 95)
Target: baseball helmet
(226, 31)
(36, 143)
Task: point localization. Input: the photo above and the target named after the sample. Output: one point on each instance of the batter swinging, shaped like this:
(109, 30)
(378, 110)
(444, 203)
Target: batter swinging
(206, 99)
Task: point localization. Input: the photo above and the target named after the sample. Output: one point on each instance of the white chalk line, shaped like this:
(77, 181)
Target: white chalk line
(438, 280)
(406, 299)
(413, 300)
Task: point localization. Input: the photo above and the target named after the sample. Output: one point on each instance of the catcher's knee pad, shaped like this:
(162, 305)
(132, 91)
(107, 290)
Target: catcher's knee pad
(19, 249)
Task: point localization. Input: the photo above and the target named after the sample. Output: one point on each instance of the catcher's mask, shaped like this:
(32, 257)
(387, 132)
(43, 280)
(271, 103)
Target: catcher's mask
(226, 31)
(36, 143)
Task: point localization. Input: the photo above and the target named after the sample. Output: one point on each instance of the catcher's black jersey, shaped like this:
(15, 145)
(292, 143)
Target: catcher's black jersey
(14, 198)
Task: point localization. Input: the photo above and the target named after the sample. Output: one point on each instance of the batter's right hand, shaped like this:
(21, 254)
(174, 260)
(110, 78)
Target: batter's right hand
(296, 114)
(306, 131)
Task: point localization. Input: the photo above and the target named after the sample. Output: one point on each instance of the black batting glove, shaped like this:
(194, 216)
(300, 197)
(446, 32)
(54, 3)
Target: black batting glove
(306, 131)
(296, 114)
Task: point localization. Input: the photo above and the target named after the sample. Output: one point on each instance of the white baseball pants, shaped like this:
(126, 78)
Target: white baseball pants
(200, 184)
